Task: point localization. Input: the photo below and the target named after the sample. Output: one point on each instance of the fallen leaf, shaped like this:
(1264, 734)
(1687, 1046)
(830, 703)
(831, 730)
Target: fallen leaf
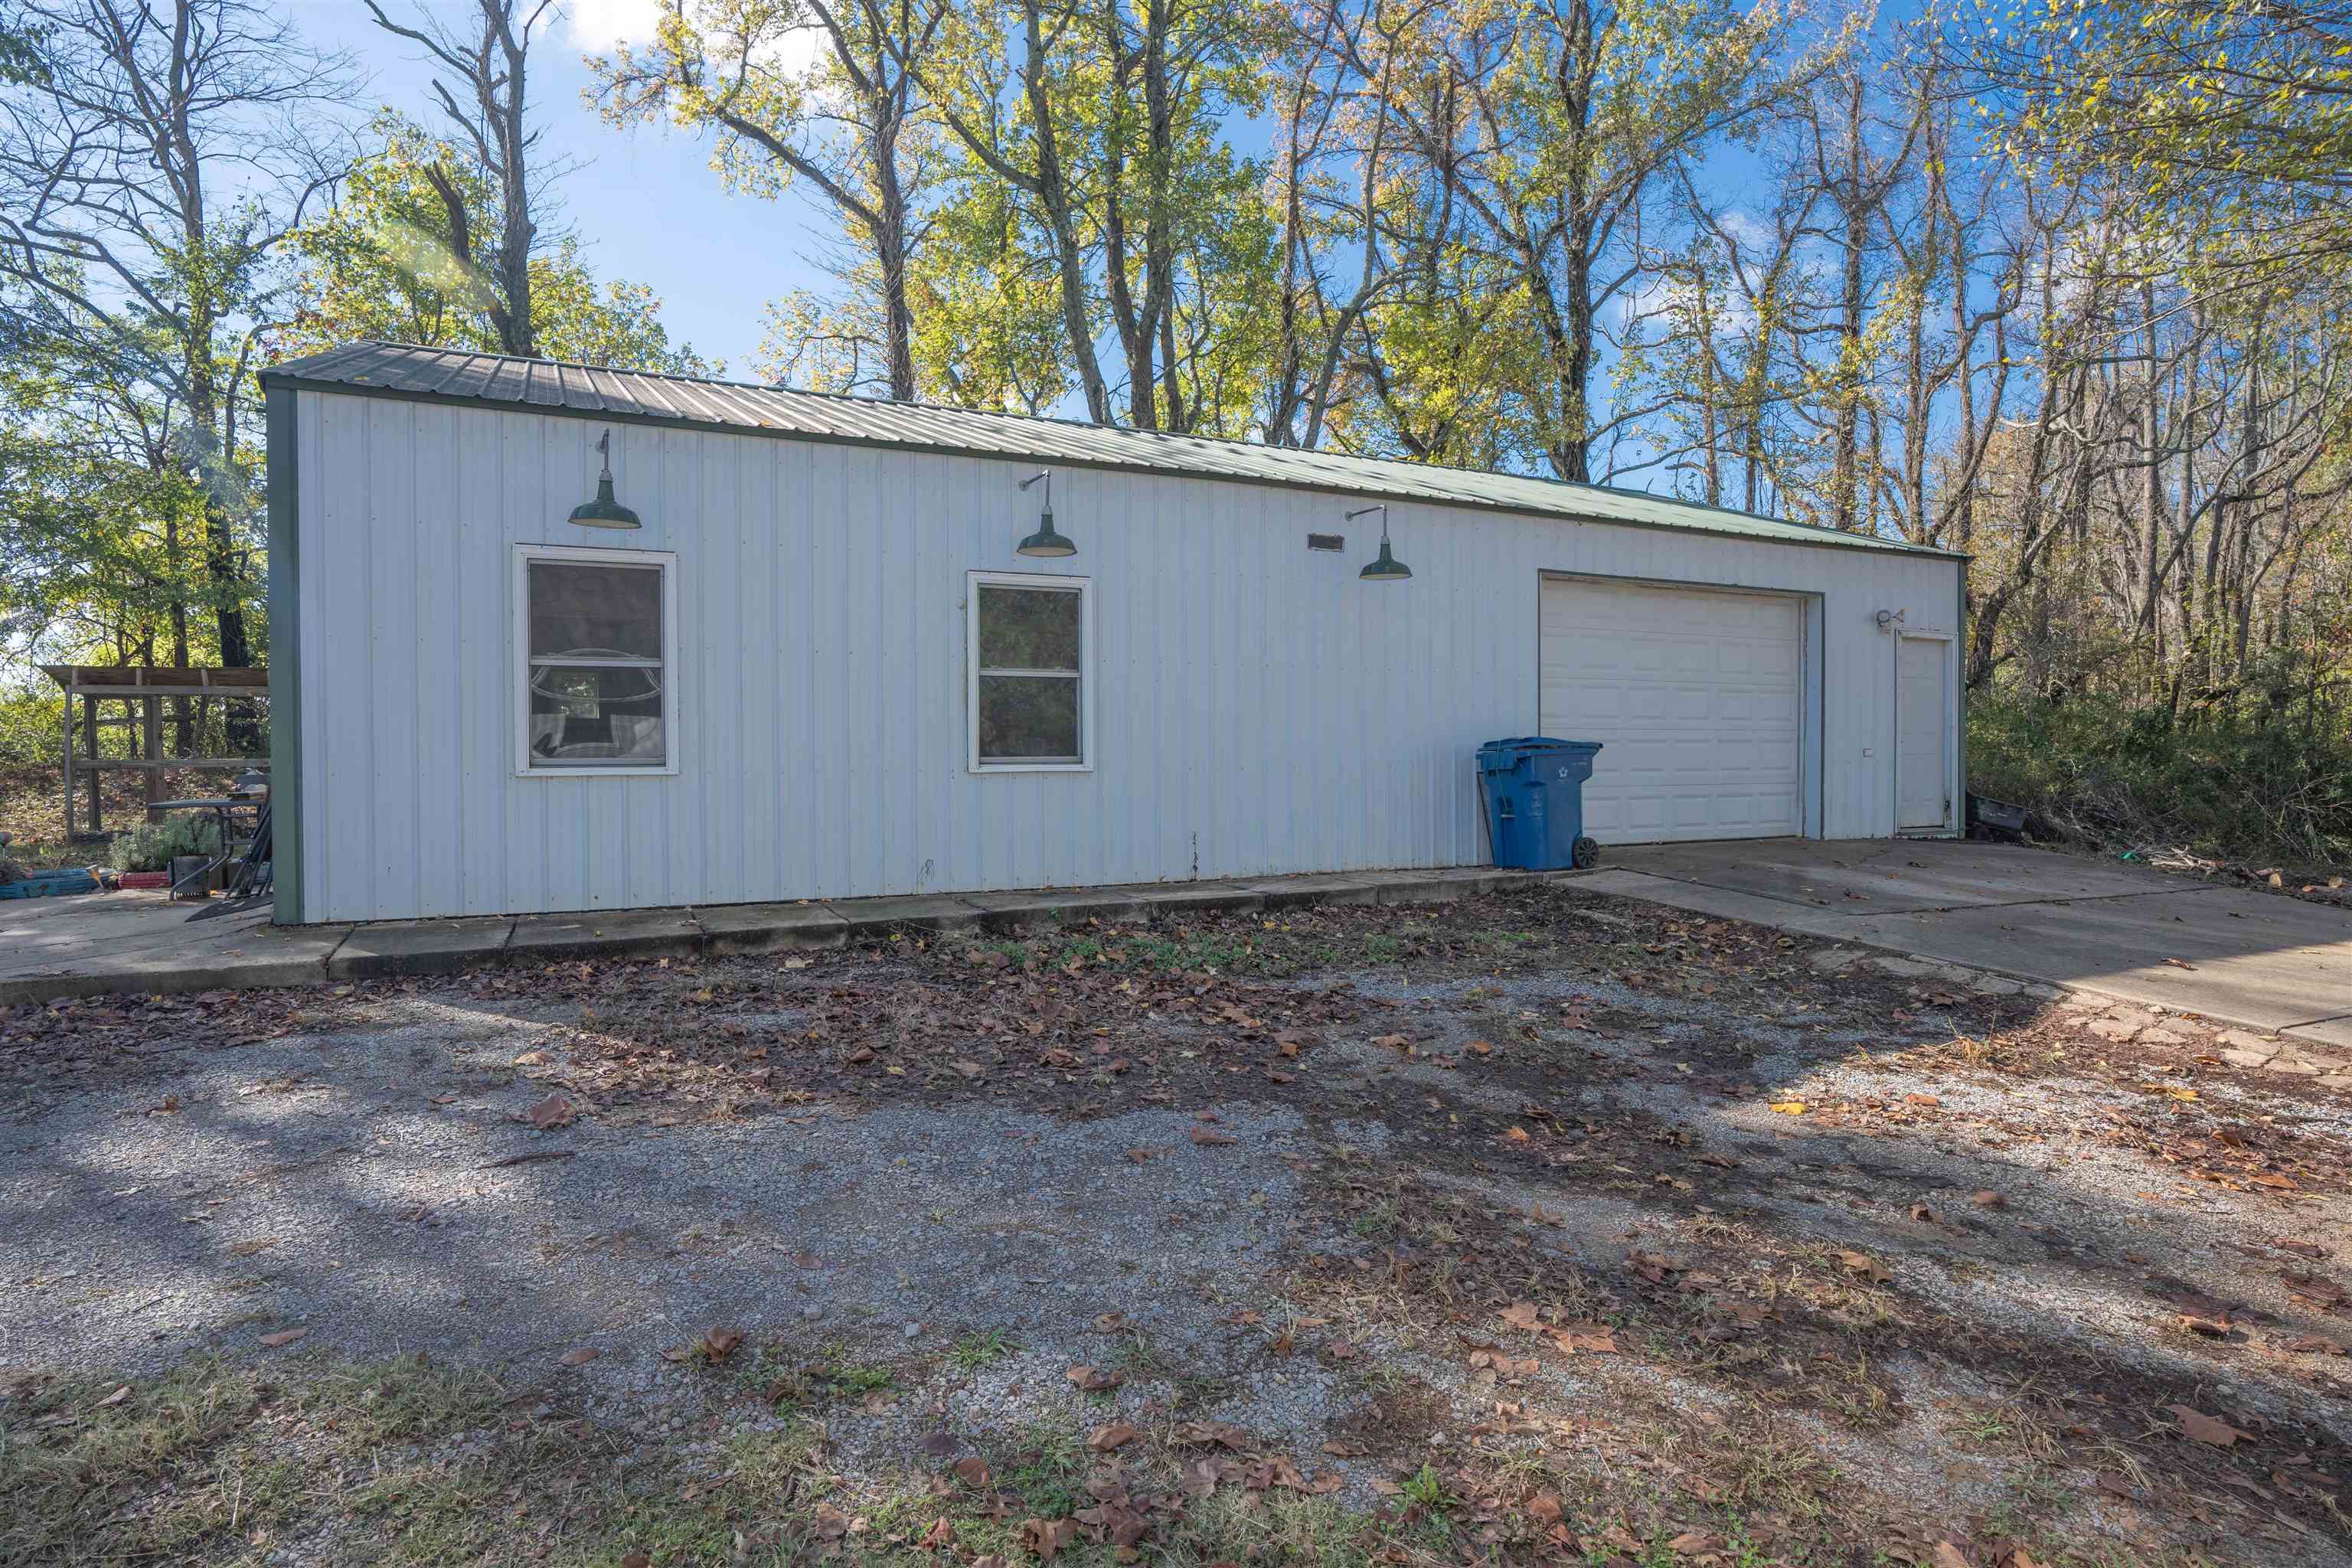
(553, 1112)
(1921, 1100)
(1517, 1135)
(2179, 965)
(972, 1471)
(1947, 1555)
(831, 1524)
(718, 1344)
(117, 1397)
(2205, 1428)
(1866, 1266)
(1118, 1434)
(247, 1249)
(1545, 1508)
(582, 1356)
(637, 1559)
(1790, 1107)
(1205, 1135)
(1988, 1199)
(1093, 1380)
(1045, 1539)
(283, 1337)
(1519, 1315)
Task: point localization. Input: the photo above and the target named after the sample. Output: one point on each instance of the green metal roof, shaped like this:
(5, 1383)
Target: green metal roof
(546, 387)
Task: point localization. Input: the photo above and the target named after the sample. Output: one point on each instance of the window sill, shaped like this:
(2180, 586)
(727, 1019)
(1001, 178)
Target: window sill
(984, 770)
(662, 772)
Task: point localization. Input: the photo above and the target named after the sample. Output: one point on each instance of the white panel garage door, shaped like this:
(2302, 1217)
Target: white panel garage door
(1697, 697)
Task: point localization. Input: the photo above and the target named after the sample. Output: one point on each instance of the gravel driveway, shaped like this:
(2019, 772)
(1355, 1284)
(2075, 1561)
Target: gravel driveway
(1549, 1193)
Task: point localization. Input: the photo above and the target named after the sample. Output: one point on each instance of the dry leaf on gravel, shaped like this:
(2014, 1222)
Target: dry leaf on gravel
(283, 1337)
(582, 1356)
(1205, 1434)
(1209, 1135)
(720, 1343)
(1093, 1379)
(247, 1249)
(2205, 1428)
(1790, 1107)
(1117, 1435)
(831, 1524)
(972, 1471)
(1520, 1315)
(553, 1112)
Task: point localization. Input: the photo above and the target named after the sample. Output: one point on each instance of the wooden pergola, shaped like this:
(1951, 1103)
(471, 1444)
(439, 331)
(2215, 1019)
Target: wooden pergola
(141, 692)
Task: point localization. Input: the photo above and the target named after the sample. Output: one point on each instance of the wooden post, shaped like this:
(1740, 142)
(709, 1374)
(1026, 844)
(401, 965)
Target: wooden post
(68, 760)
(155, 777)
(90, 749)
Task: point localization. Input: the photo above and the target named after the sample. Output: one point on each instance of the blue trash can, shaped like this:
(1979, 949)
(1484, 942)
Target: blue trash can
(1533, 787)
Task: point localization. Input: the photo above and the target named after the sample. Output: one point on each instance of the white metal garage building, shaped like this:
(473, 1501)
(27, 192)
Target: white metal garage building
(801, 654)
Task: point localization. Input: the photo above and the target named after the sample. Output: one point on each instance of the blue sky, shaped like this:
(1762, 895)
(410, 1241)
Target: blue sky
(642, 201)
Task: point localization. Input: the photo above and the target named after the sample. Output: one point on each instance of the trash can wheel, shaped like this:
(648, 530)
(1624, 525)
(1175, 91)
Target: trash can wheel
(1586, 854)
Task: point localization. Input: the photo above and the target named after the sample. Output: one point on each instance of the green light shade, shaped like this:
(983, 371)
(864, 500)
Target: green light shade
(1046, 542)
(605, 511)
(1387, 569)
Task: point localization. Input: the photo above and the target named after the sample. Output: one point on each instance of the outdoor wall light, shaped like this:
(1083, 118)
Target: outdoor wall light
(1046, 542)
(1385, 568)
(605, 511)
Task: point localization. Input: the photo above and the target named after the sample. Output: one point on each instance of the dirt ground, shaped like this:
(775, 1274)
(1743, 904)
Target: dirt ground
(1534, 1228)
(32, 811)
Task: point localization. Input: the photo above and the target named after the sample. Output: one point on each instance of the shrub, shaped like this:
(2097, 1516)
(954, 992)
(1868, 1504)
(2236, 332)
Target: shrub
(2233, 783)
(150, 845)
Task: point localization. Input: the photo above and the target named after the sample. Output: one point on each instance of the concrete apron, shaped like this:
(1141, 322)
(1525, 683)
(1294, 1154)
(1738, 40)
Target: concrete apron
(2254, 960)
(134, 944)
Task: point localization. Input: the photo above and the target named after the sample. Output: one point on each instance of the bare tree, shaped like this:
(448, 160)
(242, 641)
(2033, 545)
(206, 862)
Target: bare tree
(490, 105)
(149, 169)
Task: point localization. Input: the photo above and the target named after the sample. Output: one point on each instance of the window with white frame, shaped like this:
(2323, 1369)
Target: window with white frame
(596, 644)
(1032, 648)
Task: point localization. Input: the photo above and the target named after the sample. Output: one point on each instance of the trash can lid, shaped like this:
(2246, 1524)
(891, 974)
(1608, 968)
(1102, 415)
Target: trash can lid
(1539, 744)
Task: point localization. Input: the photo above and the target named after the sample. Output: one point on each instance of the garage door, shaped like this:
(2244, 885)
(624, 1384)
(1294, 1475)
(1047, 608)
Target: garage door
(1696, 696)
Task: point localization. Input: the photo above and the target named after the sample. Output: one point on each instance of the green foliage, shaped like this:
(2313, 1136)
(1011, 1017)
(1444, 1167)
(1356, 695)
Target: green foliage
(381, 264)
(2256, 783)
(32, 724)
(150, 845)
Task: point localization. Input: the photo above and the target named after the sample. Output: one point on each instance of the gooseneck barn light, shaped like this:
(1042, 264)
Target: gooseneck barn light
(605, 511)
(1385, 568)
(1046, 542)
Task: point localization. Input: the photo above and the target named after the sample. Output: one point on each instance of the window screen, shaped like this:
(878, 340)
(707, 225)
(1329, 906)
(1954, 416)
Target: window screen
(595, 665)
(1029, 703)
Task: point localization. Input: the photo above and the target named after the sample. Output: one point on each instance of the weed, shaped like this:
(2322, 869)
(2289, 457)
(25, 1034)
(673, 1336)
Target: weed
(976, 1351)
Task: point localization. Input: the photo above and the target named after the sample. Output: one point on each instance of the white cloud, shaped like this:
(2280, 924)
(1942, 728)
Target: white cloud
(596, 26)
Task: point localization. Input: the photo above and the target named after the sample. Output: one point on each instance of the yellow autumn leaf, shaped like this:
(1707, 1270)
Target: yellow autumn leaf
(1790, 1107)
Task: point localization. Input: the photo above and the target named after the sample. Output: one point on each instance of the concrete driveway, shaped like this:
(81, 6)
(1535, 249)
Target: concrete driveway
(2265, 961)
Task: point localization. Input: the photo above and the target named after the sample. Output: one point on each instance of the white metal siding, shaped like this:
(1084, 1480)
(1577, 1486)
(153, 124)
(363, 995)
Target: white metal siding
(1697, 697)
(1259, 710)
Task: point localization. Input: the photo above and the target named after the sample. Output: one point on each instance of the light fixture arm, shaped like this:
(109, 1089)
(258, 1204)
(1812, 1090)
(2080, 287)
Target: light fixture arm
(1046, 542)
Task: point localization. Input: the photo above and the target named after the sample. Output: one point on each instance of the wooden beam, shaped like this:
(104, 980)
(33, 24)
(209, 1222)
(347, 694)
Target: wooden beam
(133, 765)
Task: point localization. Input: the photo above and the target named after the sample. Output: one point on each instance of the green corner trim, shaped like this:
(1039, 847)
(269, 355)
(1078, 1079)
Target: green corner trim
(285, 657)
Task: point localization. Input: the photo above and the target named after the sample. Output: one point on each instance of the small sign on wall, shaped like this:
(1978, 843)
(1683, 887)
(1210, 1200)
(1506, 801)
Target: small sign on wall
(1327, 542)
